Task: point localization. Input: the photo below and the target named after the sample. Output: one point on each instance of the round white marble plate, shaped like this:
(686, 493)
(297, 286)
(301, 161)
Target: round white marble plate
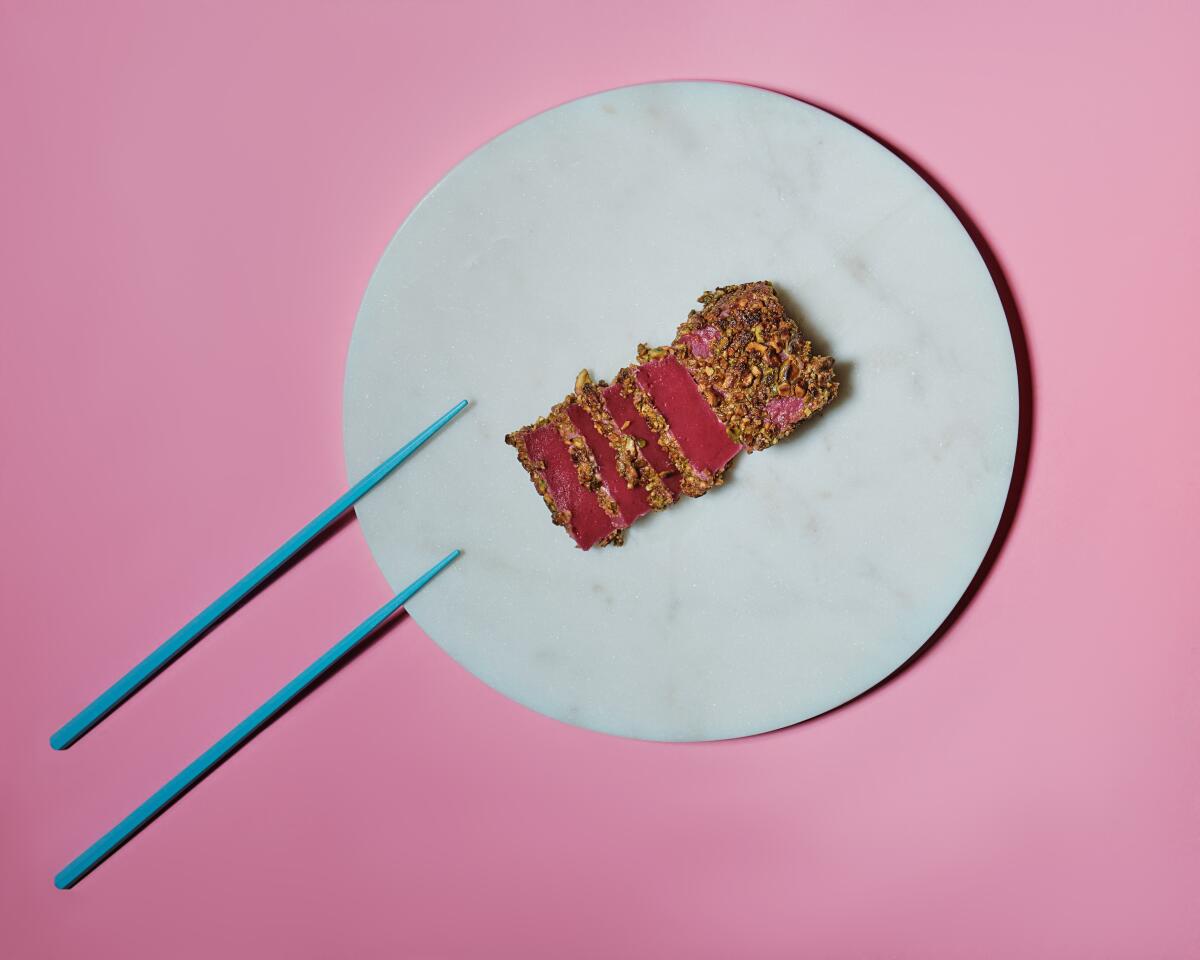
(822, 564)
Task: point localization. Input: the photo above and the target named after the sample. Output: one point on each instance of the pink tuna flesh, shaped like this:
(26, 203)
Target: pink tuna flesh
(700, 433)
(700, 342)
(784, 411)
(589, 523)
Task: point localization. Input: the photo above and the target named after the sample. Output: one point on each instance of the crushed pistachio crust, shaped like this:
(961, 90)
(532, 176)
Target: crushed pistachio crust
(632, 464)
(744, 352)
(749, 361)
(560, 516)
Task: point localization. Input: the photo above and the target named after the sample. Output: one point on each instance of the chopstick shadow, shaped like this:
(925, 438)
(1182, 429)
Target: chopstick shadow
(1025, 396)
(315, 544)
(385, 628)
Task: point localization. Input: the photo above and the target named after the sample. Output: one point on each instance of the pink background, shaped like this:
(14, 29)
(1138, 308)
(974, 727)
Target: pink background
(193, 196)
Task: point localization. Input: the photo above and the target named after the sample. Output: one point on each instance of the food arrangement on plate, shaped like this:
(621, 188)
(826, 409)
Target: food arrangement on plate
(738, 375)
(563, 243)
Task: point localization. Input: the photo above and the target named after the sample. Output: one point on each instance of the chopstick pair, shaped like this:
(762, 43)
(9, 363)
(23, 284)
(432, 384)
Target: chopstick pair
(156, 661)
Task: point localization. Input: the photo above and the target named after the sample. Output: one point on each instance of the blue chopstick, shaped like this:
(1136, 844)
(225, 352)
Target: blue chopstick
(87, 861)
(129, 684)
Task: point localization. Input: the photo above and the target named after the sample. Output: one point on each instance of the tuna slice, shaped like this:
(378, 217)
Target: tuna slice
(581, 512)
(700, 434)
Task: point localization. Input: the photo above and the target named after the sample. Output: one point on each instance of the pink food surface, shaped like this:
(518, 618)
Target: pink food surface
(589, 523)
(784, 411)
(700, 342)
(699, 431)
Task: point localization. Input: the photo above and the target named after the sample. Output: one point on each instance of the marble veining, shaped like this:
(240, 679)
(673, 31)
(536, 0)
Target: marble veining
(822, 564)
